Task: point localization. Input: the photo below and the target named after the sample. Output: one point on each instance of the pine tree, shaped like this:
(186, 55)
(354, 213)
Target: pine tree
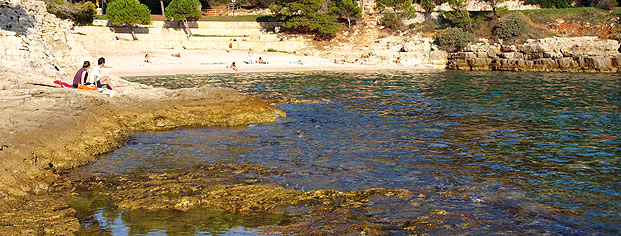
(184, 10)
(347, 9)
(130, 12)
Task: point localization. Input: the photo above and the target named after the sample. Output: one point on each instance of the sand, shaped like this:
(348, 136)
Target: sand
(131, 62)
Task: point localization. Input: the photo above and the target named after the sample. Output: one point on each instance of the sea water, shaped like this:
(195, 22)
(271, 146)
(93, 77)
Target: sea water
(521, 153)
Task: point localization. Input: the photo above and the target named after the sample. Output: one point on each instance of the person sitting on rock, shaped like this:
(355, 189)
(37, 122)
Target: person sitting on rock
(101, 81)
(82, 75)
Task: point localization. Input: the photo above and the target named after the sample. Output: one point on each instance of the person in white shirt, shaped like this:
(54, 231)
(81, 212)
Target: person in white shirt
(105, 81)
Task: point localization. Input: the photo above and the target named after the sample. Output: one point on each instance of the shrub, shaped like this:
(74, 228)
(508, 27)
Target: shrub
(551, 3)
(391, 21)
(130, 12)
(512, 25)
(79, 13)
(607, 4)
(453, 39)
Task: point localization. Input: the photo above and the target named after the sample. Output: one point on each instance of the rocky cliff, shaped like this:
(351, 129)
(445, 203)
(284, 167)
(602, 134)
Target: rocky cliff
(34, 42)
(580, 54)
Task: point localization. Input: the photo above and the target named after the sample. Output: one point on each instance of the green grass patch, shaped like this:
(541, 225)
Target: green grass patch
(274, 50)
(246, 18)
(582, 14)
(101, 17)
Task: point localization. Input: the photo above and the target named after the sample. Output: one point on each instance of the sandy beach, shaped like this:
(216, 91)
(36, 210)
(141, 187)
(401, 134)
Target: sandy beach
(132, 62)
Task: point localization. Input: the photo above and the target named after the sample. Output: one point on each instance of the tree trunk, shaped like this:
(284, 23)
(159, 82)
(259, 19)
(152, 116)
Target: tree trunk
(162, 6)
(362, 5)
(348, 23)
(131, 28)
(187, 27)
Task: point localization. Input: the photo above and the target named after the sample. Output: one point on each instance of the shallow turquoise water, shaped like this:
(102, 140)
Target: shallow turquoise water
(521, 153)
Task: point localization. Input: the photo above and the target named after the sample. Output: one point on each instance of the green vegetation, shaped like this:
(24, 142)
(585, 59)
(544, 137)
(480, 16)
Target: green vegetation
(274, 50)
(550, 3)
(427, 5)
(511, 26)
(79, 13)
(184, 10)
(129, 12)
(261, 3)
(243, 18)
(391, 21)
(307, 16)
(589, 15)
(460, 16)
(347, 9)
(453, 39)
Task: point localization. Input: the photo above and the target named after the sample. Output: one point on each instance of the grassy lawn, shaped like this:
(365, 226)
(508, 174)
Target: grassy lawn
(246, 18)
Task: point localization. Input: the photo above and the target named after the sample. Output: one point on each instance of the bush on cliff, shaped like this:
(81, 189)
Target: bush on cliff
(391, 21)
(511, 26)
(184, 10)
(130, 12)
(454, 39)
(79, 13)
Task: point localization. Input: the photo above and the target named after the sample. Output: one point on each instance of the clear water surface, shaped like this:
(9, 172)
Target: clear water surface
(520, 153)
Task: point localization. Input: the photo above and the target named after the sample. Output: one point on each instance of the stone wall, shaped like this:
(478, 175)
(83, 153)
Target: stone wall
(579, 54)
(33, 41)
(207, 35)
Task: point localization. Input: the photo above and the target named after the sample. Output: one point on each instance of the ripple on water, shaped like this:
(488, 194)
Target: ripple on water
(527, 153)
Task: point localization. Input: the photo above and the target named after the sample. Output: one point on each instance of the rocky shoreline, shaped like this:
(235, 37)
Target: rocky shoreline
(580, 54)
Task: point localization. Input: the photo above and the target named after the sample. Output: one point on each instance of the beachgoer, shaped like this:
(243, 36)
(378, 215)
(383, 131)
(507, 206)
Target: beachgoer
(250, 52)
(230, 45)
(398, 61)
(233, 66)
(260, 61)
(147, 58)
(101, 81)
(300, 62)
(176, 54)
(82, 75)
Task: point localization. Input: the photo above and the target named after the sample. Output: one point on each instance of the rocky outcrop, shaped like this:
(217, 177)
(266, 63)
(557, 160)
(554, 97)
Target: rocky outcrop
(580, 54)
(35, 41)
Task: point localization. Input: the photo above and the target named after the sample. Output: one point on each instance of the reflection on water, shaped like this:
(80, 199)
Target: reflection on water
(101, 219)
(519, 153)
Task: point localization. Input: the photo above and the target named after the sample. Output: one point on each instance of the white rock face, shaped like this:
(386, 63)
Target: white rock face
(35, 44)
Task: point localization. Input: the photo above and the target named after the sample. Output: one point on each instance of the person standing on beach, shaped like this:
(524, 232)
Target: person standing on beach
(250, 52)
(230, 46)
(98, 79)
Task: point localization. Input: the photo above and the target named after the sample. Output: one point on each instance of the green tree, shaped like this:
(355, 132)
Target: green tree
(404, 8)
(495, 7)
(347, 9)
(399, 8)
(184, 10)
(428, 6)
(307, 16)
(130, 12)
(79, 13)
(460, 15)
